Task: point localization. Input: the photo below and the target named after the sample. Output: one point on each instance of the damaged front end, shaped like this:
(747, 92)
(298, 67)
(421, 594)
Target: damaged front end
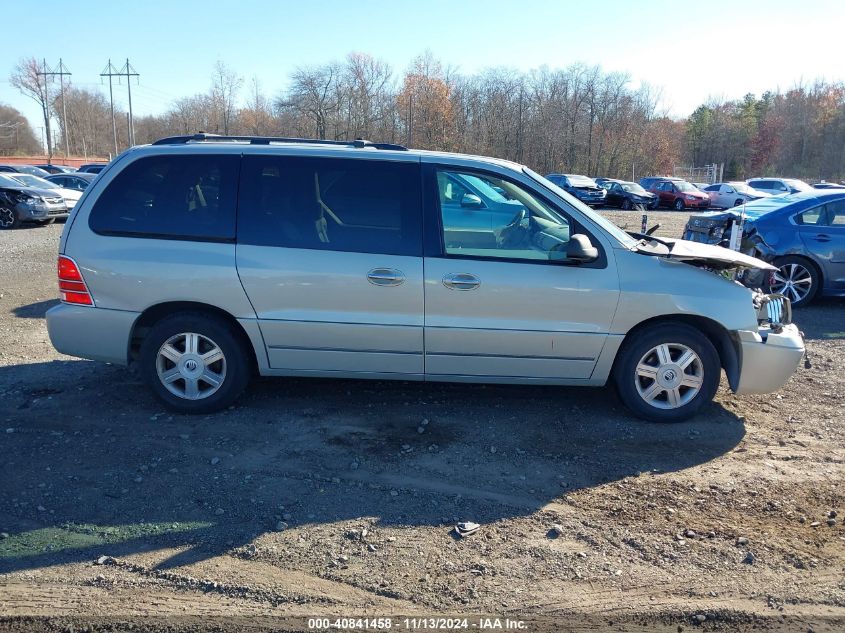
(732, 229)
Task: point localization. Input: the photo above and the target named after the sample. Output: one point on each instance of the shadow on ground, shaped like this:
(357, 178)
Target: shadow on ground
(35, 310)
(824, 319)
(92, 464)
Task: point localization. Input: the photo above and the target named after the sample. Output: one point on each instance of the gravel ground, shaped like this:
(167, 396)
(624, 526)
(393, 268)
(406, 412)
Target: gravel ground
(338, 498)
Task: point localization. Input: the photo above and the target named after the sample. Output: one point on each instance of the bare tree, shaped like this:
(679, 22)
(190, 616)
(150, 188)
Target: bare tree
(27, 77)
(225, 85)
(314, 96)
(16, 135)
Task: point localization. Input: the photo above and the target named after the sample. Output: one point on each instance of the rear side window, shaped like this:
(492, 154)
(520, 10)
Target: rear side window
(815, 216)
(171, 197)
(359, 206)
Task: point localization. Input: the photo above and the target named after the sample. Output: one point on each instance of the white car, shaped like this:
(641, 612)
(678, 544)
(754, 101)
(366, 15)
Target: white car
(70, 196)
(778, 186)
(732, 194)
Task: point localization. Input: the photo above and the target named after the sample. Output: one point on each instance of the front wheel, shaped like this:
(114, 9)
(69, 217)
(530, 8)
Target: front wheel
(9, 219)
(679, 205)
(796, 279)
(667, 373)
(47, 222)
(626, 205)
(195, 363)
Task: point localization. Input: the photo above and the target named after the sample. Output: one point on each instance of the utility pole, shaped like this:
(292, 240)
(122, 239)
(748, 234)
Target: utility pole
(46, 74)
(129, 72)
(60, 71)
(110, 72)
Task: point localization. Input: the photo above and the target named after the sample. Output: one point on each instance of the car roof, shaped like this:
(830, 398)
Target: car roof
(308, 148)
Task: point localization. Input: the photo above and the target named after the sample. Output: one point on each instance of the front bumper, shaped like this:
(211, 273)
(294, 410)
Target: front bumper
(768, 358)
(30, 213)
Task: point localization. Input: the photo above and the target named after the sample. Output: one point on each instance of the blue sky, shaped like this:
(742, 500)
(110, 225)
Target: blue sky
(691, 50)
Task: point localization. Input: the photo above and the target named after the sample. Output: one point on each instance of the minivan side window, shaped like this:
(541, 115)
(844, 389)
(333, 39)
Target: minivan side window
(359, 206)
(171, 197)
(500, 220)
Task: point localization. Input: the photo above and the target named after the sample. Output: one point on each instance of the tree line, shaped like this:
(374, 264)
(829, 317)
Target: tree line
(578, 119)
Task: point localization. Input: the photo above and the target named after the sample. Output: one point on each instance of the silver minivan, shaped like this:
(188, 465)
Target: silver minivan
(204, 259)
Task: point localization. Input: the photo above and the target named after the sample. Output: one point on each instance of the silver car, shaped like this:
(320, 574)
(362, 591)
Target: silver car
(204, 260)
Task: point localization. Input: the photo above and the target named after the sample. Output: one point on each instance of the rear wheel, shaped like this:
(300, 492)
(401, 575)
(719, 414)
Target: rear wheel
(796, 279)
(667, 373)
(679, 205)
(195, 363)
(9, 219)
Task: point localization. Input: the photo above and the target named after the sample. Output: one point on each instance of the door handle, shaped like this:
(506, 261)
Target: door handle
(821, 237)
(385, 277)
(461, 281)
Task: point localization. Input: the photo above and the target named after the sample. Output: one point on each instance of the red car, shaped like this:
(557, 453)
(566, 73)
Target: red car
(679, 194)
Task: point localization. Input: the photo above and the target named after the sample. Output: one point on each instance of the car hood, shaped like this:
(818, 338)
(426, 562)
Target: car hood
(41, 193)
(710, 255)
(70, 194)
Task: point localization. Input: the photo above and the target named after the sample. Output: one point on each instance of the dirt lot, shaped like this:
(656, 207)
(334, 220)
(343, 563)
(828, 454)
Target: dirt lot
(338, 498)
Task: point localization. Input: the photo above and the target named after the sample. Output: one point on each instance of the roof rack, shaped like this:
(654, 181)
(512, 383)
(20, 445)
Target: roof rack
(267, 140)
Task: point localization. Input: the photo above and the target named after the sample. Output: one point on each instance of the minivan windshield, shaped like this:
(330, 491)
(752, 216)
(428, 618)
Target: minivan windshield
(621, 236)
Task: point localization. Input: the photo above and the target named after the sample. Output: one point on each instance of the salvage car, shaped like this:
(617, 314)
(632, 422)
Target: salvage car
(732, 194)
(201, 260)
(628, 195)
(582, 187)
(70, 196)
(20, 203)
(678, 194)
(802, 235)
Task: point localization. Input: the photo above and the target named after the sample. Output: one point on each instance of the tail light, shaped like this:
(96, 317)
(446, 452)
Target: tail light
(71, 284)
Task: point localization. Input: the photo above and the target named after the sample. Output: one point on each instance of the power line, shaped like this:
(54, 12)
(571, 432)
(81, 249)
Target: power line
(61, 71)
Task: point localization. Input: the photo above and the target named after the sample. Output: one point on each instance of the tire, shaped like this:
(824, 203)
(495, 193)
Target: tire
(232, 371)
(9, 219)
(797, 279)
(46, 222)
(626, 205)
(738, 202)
(679, 205)
(674, 393)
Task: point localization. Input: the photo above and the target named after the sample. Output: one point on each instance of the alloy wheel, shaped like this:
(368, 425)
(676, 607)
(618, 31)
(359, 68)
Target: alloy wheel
(794, 281)
(7, 218)
(669, 376)
(191, 366)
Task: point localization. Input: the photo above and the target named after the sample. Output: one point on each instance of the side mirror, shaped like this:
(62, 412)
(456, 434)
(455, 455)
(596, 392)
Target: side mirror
(580, 249)
(471, 201)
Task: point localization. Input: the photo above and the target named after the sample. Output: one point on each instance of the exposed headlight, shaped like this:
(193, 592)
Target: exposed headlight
(30, 201)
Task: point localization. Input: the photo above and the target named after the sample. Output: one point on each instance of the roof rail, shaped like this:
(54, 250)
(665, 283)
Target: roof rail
(267, 140)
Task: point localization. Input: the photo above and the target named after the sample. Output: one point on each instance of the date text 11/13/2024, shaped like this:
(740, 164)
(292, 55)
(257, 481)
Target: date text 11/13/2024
(415, 624)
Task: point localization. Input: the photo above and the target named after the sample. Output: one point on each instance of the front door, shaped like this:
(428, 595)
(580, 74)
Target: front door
(823, 232)
(329, 253)
(519, 308)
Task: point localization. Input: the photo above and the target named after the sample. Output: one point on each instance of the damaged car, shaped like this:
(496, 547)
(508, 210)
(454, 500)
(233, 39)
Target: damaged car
(802, 235)
(201, 260)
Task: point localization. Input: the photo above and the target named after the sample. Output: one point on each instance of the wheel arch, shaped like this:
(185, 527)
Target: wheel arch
(726, 344)
(155, 313)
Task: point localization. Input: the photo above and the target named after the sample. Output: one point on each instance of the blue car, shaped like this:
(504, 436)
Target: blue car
(803, 234)
(582, 187)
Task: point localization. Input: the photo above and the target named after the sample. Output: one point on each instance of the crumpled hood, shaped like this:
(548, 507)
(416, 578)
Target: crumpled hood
(711, 255)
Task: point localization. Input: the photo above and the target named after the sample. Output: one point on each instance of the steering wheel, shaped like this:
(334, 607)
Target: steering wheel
(515, 232)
